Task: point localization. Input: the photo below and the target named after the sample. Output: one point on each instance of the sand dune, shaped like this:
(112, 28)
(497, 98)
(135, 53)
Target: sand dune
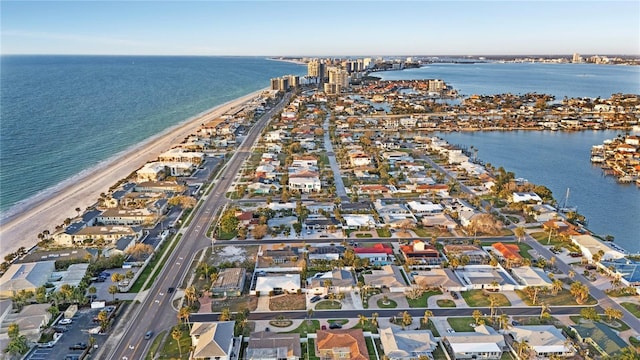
(46, 212)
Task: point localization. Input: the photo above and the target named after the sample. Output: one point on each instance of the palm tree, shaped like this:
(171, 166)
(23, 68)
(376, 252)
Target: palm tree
(374, 319)
(519, 232)
(362, 319)
(556, 286)
(493, 302)
(309, 315)
(477, 315)
(544, 310)
(406, 319)
(580, 291)
(113, 290)
(176, 334)
(503, 320)
(183, 315)
(225, 315)
(571, 274)
(425, 318)
(191, 294)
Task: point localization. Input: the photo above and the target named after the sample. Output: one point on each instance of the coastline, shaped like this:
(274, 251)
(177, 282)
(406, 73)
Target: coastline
(45, 210)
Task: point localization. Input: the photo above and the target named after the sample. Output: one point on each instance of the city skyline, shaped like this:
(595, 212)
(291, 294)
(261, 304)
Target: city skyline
(321, 28)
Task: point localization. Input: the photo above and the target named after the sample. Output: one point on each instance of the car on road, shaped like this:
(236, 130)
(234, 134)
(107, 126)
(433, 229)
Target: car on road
(171, 290)
(335, 325)
(316, 298)
(148, 335)
(450, 331)
(78, 346)
(65, 322)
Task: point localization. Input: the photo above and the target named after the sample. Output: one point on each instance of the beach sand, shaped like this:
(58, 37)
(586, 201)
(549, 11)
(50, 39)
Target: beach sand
(48, 211)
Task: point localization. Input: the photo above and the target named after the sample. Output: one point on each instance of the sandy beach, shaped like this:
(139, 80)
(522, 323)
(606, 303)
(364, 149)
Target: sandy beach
(46, 212)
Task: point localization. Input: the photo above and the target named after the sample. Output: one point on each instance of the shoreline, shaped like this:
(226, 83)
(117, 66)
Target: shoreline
(21, 224)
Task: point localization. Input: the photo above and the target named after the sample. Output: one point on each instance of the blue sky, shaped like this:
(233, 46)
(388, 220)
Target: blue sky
(317, 28)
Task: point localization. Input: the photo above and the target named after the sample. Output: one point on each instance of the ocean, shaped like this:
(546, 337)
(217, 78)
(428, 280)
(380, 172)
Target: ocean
(62, 115)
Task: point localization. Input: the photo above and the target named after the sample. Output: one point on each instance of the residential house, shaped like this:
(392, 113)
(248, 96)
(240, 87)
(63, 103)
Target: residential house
(305, 182)
(212, 340)
(332, 252)
(165, 187)
(142, 216)
(600, 336)
(531, 276)
(389, 277)
(444, 279)
(358, 221)
(526, 197)
(270, 283)
(229, 282)
(152, 171)
(546, 341)
(508, 252)
(280, 259)
(590, 246)
(407, 344)
(378, 254)
(418, 249)
(474, 345)
(267, 345)
(180, 155)
(340, 280)
(476, 254)
(91, 234)
(341, 344)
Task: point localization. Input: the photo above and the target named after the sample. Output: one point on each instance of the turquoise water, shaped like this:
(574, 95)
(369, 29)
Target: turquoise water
(64, 114)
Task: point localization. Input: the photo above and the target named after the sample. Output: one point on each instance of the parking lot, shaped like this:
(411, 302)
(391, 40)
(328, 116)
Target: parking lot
(76, 332)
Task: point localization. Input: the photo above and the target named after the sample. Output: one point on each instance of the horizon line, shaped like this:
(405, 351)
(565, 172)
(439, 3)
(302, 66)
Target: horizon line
(326, 56)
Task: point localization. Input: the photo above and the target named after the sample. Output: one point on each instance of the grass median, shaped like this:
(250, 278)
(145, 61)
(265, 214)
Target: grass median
(152, 267)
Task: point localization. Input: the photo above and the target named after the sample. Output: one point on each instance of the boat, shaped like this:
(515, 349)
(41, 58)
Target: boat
(565, 208)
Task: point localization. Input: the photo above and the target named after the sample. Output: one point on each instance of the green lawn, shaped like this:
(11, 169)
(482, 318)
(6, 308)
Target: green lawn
(422, 300)
(563, 297)
(524, 251)
(446, 303)
(311, 349)
(329, 305)
(632, 308)
(368, 326)
(365, 235)
(478, 298)
(306, 328)
(461, 324)
(383, 233)
(370, 347)
(391, 304)
(171, 349)
(422, 232)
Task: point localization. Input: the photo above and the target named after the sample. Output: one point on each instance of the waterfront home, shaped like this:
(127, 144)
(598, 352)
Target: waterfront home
(129, 217)
(180, 155)
(525, 197)
(229, 282)
(212, 340)
(341, 344)
(590, 246)
(267, 345)
(91, 234)
(545, 341)
(165, 187)
(25, 276)
(407, 344)
(151, 171)
(543, 212)
(627, 270)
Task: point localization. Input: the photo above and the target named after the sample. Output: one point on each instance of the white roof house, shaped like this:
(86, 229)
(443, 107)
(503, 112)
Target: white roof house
(589, 246)
(470, 345)
(407, 344)
(530, 276)
(525, 197)
(545, 340)
(357, 220)
(424, 207)
(287, 282)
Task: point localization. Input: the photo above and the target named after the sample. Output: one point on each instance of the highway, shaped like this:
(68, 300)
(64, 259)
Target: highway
(156, 312)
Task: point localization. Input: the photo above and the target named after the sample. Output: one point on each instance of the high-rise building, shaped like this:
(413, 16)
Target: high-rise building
(339, 76)
(577, 58)
(294, 80)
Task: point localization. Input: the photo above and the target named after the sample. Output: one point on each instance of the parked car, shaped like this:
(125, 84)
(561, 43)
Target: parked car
(65, 322)
(324, 327)
(450, 331)
(335, 325)
(78, 346)
(46, 345)
(316, 298)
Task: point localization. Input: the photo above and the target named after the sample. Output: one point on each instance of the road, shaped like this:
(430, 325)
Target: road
(604, 300)
(156, 312)
(415, 312)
